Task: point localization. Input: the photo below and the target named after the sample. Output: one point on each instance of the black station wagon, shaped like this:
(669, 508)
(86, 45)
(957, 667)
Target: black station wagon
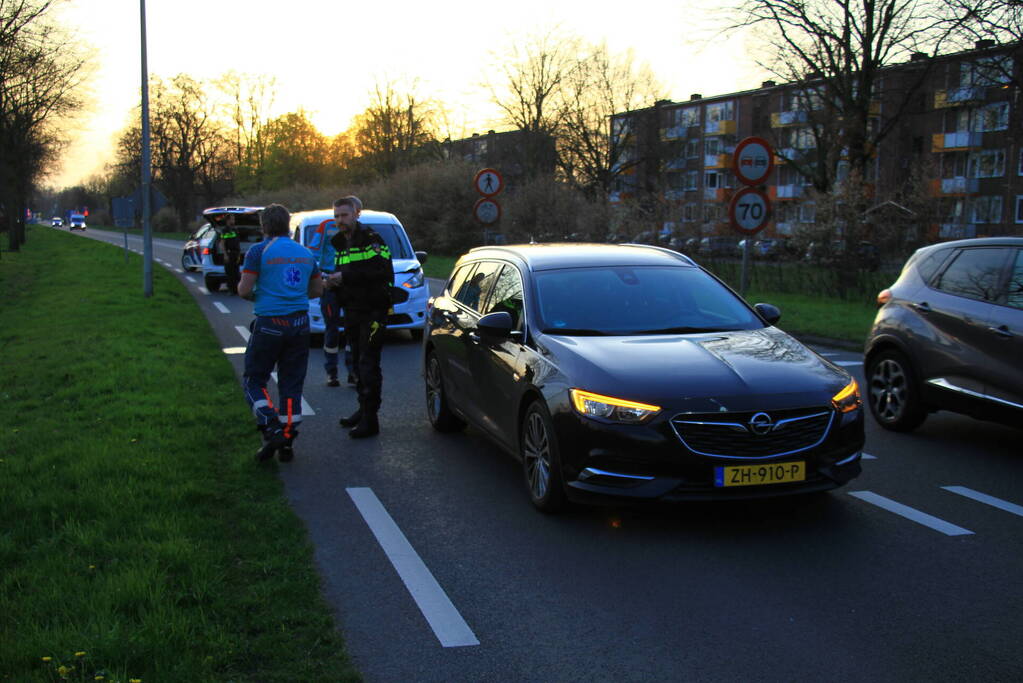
(629, 372)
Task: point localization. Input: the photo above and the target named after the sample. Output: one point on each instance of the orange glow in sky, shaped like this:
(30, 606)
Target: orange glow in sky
(326, 55)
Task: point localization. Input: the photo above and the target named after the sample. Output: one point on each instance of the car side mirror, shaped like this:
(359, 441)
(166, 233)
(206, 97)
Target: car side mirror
(421, 257)
(770, 313)
(497, 324)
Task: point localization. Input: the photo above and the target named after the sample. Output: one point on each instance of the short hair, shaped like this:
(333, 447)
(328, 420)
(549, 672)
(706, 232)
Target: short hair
(351, 200)
(274, 220)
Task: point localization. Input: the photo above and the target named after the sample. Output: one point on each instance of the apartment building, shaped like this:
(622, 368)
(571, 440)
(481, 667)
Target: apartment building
(955, 142)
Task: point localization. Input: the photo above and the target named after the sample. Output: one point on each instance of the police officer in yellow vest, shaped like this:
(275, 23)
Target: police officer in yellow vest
(363, 276)
(232, 253)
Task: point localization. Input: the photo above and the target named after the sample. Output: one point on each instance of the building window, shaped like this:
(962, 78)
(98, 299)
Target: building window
(686, 117)
(689, 213)
(807, 212)
(801, 138)
(720, 111)
(711, 213)
(1019, 170)
(712, 146)
(711, 180)
(992, 117)
(692, 148)
(987, 71)
(986, 209)
(986, 163)
(1019, 208)
(692, 180)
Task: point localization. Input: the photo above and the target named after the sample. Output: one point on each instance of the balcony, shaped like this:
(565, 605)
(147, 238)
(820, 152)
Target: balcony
(717, 160)
(782, 119)
(957, 231)
(785, 191)
(949, 142)
(674, 133)
(719, 128)
(957, 97)
(717, 194)
(786, 228)
(952, 187)
(674, 194)
(675, 165)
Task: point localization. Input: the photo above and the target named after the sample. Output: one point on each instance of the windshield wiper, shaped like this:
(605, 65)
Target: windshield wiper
(574, 332)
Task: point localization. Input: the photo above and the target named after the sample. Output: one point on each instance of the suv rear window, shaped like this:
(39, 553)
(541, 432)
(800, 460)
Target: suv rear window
(391, 234)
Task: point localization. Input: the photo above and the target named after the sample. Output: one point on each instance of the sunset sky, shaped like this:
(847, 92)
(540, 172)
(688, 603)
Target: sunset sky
(326, 54)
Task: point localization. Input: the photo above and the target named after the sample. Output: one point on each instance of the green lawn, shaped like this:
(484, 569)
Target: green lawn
(138, 231)
(136, 528)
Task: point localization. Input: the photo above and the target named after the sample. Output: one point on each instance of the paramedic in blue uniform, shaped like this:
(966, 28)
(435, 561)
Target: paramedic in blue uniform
(334, 340)
(280, 276)
(362, 279)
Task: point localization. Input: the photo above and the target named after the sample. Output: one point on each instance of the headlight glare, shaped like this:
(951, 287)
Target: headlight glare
(415, 281)
(848, 399)
(610, 408)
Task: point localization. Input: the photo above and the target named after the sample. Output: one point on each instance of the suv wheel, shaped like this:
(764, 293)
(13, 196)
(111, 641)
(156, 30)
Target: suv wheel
(541, 460)
(893, 392)
(441, 416)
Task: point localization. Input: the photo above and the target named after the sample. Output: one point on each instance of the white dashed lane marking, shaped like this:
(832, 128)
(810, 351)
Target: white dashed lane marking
(911, 514)
(447, 624)
(243, 331)
(190, 278)
(986, 499)
(204, 290)
(221, 307)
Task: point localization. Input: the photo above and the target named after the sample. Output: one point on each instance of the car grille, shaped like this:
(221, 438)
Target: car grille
(729, 435)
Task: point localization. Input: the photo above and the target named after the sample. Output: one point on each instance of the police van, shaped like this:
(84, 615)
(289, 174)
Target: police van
(309, 229)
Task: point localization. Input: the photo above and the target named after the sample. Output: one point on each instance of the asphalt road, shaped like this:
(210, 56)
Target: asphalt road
(438, 568)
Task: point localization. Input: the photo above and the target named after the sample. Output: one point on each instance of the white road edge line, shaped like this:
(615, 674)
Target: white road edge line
(221, 307)
(447, 624)
(985, 498)
(911, 514)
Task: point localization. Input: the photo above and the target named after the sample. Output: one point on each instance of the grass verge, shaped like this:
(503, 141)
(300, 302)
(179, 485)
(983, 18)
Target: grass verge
(138, 232)
(138, 539)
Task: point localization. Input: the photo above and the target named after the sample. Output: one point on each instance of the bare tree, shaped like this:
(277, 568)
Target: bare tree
(397, 129)
(531, 92)
(600, 85)
(41, 69)
(251, 97)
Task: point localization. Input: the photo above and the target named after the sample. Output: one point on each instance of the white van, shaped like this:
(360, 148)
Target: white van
(408, 266)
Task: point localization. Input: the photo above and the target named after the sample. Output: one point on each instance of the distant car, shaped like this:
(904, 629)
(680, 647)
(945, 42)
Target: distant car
(76, 222)
(408, 269)
(629, 372)
(717, 245)
(949, 336)
(211, 254)
(57, 222)
(197, 242)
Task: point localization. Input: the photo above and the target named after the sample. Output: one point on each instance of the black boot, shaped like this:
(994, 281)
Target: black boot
(368, 426)
(332, 381)
(351, 420)
(273, 439)
(286, 453)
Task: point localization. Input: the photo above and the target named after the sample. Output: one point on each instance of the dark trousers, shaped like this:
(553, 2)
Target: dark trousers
(232, 271)
(281, 341)
(365, 330)
(333, 338)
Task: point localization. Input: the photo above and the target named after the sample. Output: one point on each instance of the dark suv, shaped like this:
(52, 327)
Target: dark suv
(949, 335)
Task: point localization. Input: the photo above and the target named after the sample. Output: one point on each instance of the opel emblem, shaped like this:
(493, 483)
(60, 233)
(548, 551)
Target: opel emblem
(760, 424)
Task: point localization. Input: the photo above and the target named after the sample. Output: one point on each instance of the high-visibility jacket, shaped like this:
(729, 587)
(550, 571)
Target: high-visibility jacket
(230, 238)
(367, 273)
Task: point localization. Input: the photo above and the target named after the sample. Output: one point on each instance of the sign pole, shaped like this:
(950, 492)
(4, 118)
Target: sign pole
(147, 232)
(744, 281)
(750, 210)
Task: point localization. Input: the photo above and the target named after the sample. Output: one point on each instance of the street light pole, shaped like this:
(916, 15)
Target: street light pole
(147, 233)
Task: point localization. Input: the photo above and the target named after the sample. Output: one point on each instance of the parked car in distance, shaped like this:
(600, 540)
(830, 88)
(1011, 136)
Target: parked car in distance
(57, 222)
(717, 245)
(211, 255)
(949, 336)
(197, 242)
(864, 255)
(628, 372)
(76, 222)
(308, 228)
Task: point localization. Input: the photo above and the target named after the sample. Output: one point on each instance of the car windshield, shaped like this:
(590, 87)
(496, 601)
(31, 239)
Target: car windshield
(392, 236)
(625, 300)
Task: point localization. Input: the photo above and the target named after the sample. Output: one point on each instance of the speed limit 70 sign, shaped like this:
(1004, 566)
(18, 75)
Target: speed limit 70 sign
(750, 210)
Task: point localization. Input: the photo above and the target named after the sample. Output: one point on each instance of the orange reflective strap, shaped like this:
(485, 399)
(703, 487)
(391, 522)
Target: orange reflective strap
(268, 399)
(287, 426)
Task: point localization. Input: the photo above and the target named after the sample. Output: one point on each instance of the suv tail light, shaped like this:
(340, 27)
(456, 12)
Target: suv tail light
(205, 251)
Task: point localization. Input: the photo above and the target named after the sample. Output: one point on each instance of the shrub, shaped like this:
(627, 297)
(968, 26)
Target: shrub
(165, 220)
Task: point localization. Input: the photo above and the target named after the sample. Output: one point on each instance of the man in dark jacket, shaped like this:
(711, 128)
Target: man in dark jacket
(232, 253)
(362, 280)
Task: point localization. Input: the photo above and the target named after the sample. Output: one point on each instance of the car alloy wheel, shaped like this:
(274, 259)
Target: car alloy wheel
(540, 461)
(894, 395)
(441, 416)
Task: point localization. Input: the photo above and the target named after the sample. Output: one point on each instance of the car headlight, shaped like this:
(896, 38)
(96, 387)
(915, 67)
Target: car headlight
(610, 408)
(415, 281)
(848, 399)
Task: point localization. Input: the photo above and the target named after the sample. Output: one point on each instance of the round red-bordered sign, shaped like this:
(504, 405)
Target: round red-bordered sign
(487, 211)
(488, 182)
(749, 210)
(753, 160)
